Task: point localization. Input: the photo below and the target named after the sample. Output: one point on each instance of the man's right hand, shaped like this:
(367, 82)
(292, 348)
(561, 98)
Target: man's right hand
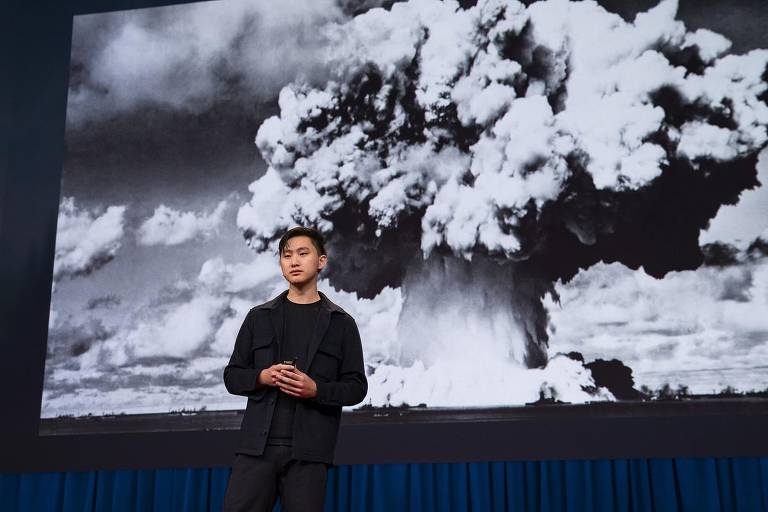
(268, 376)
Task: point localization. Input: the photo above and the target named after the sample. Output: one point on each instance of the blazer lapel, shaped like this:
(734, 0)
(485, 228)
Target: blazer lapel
(276, 316)
(323, 320)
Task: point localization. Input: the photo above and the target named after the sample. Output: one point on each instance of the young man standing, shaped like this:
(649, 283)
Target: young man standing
(298, 359)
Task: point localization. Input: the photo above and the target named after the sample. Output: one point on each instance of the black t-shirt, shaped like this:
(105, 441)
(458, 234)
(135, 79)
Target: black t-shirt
(299, 324)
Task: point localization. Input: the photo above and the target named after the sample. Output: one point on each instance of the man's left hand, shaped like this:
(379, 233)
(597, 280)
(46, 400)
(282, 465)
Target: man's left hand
(296, 383)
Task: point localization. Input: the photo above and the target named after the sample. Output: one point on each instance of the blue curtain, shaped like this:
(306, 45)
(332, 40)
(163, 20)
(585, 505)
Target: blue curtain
(697, 485)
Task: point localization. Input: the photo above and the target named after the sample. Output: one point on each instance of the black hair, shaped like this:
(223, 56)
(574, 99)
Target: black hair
(317, 239)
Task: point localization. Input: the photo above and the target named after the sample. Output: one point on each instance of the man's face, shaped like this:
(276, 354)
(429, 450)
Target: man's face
(300, 261)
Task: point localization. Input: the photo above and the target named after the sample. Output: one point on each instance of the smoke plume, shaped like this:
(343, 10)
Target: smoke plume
(530, 141)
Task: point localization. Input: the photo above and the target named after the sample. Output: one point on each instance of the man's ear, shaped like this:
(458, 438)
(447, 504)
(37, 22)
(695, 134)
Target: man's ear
(321, 262)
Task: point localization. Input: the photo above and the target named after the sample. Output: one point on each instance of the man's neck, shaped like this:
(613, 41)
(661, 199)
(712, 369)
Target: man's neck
(303, 295)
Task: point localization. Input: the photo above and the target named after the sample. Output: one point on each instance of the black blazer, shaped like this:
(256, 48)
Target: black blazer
(334, 361)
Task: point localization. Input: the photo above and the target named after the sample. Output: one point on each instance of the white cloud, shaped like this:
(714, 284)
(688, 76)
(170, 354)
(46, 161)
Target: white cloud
(178, 332)
(189, 56)
(167, 226)
(86, 240)
(710, 322)
(262, 272)
(202, 319)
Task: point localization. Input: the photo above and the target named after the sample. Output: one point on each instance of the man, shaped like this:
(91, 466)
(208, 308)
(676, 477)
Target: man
(298, 359)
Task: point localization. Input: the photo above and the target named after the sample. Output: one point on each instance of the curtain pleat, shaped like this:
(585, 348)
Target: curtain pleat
(636, 485)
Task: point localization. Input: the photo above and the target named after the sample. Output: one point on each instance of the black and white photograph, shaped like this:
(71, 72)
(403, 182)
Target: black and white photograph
(524, 203)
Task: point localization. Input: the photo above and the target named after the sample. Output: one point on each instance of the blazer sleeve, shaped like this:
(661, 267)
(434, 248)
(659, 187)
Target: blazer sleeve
(352, 385)
(241, 376)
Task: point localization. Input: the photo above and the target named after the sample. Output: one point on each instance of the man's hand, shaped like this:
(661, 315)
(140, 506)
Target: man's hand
(268, 376)
(294, 382)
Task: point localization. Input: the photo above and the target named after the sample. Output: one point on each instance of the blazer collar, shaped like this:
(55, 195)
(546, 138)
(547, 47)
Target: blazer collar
(280, 299)
(276, 309)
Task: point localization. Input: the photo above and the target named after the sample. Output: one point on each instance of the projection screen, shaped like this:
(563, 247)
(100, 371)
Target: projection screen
(524, 204)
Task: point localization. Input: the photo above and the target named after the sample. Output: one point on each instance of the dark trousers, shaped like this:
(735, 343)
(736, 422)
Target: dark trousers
(256, 482)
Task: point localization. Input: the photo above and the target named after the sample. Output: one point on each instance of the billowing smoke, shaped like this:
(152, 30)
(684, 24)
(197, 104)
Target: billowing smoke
(476, 156)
